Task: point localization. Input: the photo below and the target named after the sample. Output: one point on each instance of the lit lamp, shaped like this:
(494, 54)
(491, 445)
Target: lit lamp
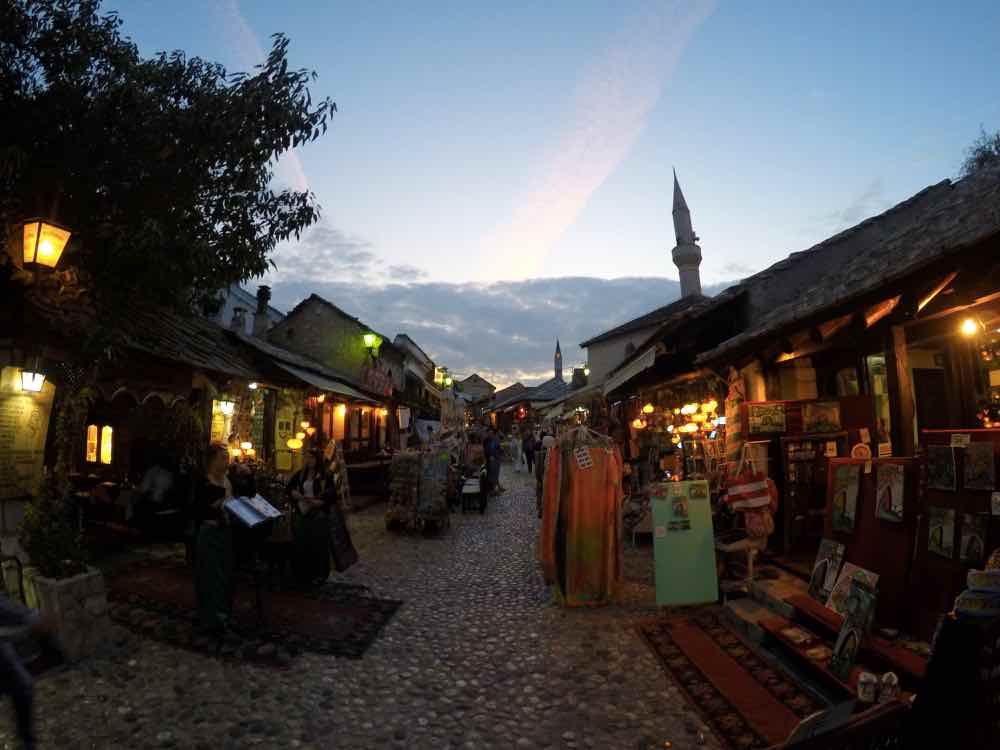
(294, 443)
(246, 446)
(304, 424)
(235, 452)
(227, 407)
(253, 386)
(43, 243)
(250, 453)
(638, 424)
(341, 409)
(300, 436)
(448, 381)
(586, 371)
(970, 327)
(648, 409)
(321, 398)
(310, 431)
(371, 342)
(32, 380)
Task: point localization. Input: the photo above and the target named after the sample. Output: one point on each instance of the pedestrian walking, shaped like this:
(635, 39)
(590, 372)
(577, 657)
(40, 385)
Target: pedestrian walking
(16, 621)
(515, 452)
(491, 453)
(528, 449)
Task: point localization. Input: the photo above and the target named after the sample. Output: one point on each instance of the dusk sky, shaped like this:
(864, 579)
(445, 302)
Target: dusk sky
(499, 174)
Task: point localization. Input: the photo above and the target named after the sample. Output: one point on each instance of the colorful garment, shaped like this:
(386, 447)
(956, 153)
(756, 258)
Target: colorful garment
(581, 524)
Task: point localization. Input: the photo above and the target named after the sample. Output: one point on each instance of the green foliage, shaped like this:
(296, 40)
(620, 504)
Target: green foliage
(163, 167)
(984, 152)
(49, 533)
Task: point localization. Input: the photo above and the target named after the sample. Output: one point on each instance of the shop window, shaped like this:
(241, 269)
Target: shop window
(107, 438)
(222, 421)
(91, 444)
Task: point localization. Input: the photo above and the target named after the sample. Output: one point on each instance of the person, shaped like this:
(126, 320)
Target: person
(15, 622)
(515, 451)
(214, 545)
(310, 489)
(528, 449)
(491, 454)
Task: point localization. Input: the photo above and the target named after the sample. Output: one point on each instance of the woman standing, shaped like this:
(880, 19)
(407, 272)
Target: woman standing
(309, 489)
(214, 550)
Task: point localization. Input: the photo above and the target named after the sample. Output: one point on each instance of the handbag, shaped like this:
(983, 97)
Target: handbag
(749, 487)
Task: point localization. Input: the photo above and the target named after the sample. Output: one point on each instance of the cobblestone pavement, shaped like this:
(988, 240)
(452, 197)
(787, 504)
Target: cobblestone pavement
(477, 657)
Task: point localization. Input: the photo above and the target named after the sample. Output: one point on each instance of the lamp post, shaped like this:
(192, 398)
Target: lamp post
(371, 344)
(32, 379)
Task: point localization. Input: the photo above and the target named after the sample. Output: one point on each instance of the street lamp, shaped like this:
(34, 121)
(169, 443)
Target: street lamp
(32, 380)
(43, 243)
(371, 344)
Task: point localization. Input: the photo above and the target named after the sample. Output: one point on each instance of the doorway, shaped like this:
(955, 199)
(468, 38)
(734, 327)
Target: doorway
(930, 392)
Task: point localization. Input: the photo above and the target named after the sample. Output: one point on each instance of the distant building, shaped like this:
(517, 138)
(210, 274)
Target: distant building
(475, 387)
(238, 307)
(607, 350)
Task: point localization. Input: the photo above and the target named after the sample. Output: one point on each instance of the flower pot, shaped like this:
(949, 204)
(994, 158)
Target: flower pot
(76, 607)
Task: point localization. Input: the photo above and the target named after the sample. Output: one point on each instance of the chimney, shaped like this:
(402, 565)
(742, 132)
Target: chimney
(239, 321)
(260, 319)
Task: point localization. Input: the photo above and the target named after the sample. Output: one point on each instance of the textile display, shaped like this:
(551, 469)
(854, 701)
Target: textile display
(580, 545)
(735, 436)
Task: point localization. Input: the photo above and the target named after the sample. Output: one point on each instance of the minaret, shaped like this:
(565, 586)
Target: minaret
(687, 254)
(558, 362)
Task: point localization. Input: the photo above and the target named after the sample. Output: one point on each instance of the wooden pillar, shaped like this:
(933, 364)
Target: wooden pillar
(900, 393)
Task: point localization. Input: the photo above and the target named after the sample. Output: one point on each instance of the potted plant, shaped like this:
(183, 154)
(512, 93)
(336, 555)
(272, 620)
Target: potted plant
(69, 594)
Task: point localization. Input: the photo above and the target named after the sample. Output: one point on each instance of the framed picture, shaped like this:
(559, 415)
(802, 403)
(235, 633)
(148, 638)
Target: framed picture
(821, 416)
(941, 467)
(980, 467)
(845, 479)
(840, 594)
(941, 531)
(974, 533)
(890, 487)
(859, 611)
(766, 417)
(825, 569)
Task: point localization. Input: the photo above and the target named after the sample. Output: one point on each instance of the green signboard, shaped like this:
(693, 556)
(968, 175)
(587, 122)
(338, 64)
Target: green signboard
(683, 543)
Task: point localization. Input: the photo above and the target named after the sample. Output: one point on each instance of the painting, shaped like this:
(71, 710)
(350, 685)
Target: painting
(769, 417)
(974, 531)
(941, 531)
(980, 468)
(889, 489)
(825, 569)
(859, 611)
(840, 594)
(845, 479)
(941, 467)
(821, 416)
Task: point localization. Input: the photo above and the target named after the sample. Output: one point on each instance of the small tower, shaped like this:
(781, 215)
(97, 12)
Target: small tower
(558, 362)
(687, 254)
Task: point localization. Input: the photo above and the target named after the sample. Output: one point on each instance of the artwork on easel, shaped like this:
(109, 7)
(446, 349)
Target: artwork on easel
(859, 611)
(889, 489)
(974, 531)
(980, 467)
(941, 467)
(821, 416)
(825, 569)
(846, 479)
(941, 531)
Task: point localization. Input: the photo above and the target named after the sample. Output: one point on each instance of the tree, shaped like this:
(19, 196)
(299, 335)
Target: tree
(984, 152)
(162, 167)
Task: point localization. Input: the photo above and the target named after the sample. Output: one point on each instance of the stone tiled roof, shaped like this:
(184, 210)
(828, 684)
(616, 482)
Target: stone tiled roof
(939, 220)
(653, 318)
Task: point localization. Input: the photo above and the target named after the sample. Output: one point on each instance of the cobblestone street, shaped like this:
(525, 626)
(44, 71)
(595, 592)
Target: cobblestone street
(477, 657)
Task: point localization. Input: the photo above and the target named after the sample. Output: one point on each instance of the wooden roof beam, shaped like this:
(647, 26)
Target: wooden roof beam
(936, 290)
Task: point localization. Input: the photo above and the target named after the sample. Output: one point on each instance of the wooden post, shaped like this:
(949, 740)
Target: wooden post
(901, 392)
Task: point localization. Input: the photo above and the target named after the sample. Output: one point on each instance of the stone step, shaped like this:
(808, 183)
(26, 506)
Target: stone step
(744, 615)
(772, 593)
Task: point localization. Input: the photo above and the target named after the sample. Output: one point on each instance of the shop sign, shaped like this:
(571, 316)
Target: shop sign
(766, 418)
(960, 439)
(377, 381)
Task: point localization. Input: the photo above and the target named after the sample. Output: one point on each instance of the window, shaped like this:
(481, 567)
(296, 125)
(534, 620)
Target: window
(107, 437)
(91, 454)
(878, 387)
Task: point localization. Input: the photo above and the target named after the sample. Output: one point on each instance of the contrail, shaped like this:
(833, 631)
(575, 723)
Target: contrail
(613, 100)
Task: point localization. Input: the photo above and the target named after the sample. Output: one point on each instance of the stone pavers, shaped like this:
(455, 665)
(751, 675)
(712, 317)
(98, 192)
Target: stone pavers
(477, 657)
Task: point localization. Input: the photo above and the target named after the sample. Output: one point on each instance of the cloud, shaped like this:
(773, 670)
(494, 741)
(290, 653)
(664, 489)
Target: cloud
(505, 330)
(739, 270)
(611, 104)
(246, 48)
(871, 201)
(405, 273)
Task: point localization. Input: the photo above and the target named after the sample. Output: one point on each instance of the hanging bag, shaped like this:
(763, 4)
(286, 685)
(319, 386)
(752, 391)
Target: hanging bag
(749, 488)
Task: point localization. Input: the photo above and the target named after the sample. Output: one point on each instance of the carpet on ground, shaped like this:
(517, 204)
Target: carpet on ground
(748, 702)
(335, 618)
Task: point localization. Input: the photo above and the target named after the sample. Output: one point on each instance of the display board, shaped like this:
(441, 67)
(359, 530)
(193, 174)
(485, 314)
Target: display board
(683, 543)
(24, 426)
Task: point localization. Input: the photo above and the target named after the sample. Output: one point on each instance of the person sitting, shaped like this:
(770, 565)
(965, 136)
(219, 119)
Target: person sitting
(311, 492)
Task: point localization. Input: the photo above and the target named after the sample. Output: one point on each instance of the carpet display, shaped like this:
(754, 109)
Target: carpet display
(748, 702)
(334, 619)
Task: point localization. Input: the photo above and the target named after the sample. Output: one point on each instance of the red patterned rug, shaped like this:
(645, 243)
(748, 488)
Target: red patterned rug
(336, 619)
(748, 701)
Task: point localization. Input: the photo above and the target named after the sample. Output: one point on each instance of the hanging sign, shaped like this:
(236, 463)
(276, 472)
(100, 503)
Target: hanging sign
(766, 417)
(960, 439)
(24, 425)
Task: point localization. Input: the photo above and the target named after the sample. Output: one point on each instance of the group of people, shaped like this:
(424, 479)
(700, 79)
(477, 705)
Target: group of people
(313, 497)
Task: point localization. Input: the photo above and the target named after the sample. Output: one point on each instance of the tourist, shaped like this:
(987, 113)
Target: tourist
(214, 544)
(491, 454)
(515, 451)
(528, 449)
(309, 489)
(15, 622)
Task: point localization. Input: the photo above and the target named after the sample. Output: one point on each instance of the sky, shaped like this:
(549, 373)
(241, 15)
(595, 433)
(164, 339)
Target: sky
(498, 175)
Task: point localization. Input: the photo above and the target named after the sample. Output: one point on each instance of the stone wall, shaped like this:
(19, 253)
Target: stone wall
(77, 608)
(605, 356)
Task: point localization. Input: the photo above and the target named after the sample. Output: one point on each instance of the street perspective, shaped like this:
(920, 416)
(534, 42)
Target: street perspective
(499, 376)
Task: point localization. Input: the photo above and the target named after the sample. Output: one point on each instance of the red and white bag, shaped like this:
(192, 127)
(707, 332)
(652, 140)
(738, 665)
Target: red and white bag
(749, 488)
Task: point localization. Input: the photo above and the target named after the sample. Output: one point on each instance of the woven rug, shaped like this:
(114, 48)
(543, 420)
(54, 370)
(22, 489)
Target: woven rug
(335, 619)
(747, 701)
